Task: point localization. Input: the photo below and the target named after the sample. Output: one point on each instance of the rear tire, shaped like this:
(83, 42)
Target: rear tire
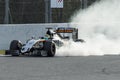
(15, 47)
(50, 48)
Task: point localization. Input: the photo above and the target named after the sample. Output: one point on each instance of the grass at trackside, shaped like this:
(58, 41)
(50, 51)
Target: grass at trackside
(2, 51)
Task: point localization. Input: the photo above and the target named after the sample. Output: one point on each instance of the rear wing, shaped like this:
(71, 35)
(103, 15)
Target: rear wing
(65, 30)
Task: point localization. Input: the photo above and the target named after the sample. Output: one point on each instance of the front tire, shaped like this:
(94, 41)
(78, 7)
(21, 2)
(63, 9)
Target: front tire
(15, 47)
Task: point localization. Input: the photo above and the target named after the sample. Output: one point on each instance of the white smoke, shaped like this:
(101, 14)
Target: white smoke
(99, 26)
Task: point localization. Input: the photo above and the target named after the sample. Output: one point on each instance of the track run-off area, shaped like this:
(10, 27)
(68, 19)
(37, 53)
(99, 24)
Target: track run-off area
(60, 68)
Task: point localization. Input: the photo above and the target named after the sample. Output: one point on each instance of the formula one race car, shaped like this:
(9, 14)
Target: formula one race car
(45, 46)
(40, 47)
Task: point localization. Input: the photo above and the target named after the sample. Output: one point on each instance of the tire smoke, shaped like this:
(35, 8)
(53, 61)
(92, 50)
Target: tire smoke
(99, 26)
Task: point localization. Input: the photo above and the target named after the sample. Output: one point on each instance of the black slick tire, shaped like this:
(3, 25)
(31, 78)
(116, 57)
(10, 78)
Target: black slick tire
(14, 48)
(50, 48)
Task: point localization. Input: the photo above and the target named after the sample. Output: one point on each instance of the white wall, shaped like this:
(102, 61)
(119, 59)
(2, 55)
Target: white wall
(22, 32)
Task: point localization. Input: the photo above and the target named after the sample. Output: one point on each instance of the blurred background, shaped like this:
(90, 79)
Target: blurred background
(39, 11)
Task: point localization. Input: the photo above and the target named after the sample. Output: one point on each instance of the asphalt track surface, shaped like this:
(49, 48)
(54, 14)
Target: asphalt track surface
(60, 68)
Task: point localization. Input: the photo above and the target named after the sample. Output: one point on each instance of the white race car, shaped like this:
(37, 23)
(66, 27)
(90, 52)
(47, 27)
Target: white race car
(45, 46)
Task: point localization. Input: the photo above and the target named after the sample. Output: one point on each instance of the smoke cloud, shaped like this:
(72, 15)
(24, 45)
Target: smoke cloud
(99, 26)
